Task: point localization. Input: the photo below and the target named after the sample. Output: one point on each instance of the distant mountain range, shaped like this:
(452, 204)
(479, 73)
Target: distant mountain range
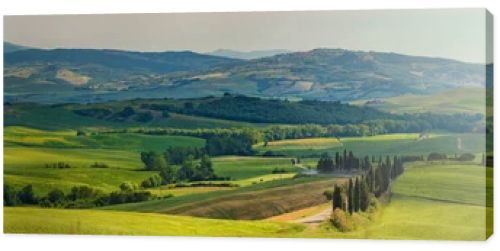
(10, 47)
(247, 55)
(88, 75)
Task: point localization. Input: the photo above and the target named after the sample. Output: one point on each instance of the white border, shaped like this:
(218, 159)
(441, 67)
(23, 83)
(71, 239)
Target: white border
(52, 242)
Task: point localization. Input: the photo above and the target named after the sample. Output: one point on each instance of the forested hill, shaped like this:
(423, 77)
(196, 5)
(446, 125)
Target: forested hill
(257, 110)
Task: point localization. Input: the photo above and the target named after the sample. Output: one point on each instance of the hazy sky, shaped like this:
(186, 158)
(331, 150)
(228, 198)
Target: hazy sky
(454, 33)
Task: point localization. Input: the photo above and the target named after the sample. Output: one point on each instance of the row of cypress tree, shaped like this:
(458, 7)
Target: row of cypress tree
(355, 196)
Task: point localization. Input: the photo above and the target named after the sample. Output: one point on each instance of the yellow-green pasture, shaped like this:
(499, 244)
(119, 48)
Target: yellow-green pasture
(388, 144)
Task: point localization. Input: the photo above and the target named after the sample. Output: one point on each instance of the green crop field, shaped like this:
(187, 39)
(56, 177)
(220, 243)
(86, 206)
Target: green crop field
(59, 221)
(239, 167)
(67, 139)
(419, 209)
(124, 166)
(401, 144)
(250, 191)
(27, 151)
(120, 152)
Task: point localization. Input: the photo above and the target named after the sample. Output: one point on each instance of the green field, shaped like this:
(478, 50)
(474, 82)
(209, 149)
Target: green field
(67, 139)
(420, 208)
(444, 201)
(60, 221)
(254, 192)
(430, 200)
(124, 166)
(27, 151)
(400, 144)
(461, 100)
(121, 152)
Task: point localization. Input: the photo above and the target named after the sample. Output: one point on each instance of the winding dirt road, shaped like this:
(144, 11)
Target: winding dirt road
(317, 218)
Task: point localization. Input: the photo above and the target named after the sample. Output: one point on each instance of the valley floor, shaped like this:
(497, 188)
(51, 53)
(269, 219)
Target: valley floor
(446, 200)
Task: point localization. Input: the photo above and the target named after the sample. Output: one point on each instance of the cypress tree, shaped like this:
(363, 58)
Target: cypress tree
(350, 197)
(357, 195)
(337, 197)
(351, 164)
(345, 159)
(364, 196)
(337, 160)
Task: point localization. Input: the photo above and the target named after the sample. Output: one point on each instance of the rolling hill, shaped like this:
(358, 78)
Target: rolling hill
(11, 47)
(88, 75)
(247, 55)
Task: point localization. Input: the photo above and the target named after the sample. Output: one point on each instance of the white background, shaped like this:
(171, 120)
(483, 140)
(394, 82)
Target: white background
(116, 243)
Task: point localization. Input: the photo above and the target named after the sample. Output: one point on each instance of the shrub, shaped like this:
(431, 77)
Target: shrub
(436, 156)
(373, 204)
(153, 161)
(60, 165)
(412, 158)
(328, 194)
(210, 184)
(81, 192)
(144, 117)
(466, 157)
(153, 181)
(10, 196)
(125, 113)
(279, 170)
(270, 153)
(129, 197)
(56, 196)
(80, 133)
(26, 195)
(341, 221)
(127, 187)
(99, 165)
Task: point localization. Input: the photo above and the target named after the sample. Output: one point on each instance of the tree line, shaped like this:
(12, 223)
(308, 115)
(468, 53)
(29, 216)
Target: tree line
(360, 121)
(194, 165)
(360, 194)
(77, 197)
(376, 179)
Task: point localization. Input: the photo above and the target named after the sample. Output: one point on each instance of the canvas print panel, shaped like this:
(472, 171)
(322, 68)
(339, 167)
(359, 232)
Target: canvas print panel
(322, 124)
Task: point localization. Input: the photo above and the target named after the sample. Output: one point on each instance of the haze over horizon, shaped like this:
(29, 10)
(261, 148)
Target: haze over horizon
(458, 34)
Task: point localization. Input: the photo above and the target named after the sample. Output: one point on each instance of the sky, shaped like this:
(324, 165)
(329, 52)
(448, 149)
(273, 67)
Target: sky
(449, 33)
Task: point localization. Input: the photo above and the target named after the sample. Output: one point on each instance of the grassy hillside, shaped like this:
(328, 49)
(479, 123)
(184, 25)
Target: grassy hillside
(320, 184)
(120, 152)
(443, 201)
(419, 209)
(67, 139)
(63, 117)
(58, 221)
(460, 100)
(259, 204)
(402, 144)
